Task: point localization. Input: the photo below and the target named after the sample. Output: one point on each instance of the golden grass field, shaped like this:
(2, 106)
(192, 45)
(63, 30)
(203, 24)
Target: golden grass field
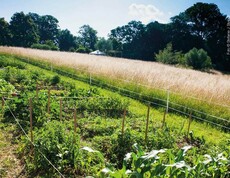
(205, 86)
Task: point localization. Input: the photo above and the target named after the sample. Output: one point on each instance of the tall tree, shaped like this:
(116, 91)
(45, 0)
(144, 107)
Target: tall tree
(48, 28)
(23, 29)
(4, 32)
(205, 26)
(66, 40)
(154, 39)
(129, 36)
(87, 37)
(104, 45)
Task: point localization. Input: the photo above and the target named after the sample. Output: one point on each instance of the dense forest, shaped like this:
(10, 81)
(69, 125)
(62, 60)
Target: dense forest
(198, 33)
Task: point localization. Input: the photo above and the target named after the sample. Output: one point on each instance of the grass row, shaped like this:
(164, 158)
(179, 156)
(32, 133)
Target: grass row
(174, 120)
(186, 105)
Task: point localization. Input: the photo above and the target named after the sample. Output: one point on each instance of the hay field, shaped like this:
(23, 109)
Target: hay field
(205, 86)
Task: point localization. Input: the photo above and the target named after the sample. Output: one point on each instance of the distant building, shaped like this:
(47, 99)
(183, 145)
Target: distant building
(97, 52)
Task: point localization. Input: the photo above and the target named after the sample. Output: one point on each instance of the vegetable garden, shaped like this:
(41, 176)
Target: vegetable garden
(67, 128)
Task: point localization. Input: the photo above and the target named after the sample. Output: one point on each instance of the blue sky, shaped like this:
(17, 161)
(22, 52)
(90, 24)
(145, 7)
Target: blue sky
(103, 15)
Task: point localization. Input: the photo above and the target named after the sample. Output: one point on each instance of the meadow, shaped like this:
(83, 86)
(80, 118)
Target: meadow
(97, 144)
(189, 83)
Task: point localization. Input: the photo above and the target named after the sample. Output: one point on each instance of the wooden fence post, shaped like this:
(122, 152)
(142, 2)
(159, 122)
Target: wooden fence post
(167, 104)
(75, 124)
(3, 102)
(48, 108)
(37, 90)
(90, 79)
(123, 122)
(60, 109)
(31, 124)
(163, 122)
(189, 123)
(147, 124)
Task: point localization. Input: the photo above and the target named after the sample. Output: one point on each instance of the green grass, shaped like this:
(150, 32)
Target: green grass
(183, 103)
(211, 134)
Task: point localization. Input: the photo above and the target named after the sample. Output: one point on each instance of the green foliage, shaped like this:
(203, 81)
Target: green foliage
(61, 147)
(49, 45)
(166, 163)
(55, 80)
(5, 34)
(23, 29)
(82, 49)
(198, 59)
(87, 37)
(167, 55)
(40, 46)
(99, 121)
(104, 45)
(67, 42)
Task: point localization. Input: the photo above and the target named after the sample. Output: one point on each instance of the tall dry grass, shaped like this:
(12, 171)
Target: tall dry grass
(211, 87)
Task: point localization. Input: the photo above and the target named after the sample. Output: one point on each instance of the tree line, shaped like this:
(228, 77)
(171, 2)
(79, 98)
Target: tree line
(199, 31)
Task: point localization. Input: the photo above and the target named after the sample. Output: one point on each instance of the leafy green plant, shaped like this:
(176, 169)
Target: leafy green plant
(198, 59)
(60, 146)
(165, 163)
(55, 80)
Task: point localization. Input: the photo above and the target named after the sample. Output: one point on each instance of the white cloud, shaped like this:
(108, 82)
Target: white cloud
(148, 13)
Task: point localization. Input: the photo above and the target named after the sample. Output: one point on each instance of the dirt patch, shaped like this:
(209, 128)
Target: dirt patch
(10, 165)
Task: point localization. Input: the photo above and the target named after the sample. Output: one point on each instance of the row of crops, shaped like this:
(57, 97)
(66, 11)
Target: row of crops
(78, 131)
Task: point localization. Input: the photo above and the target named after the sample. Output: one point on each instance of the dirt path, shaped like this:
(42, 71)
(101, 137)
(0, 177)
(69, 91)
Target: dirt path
(10, 165)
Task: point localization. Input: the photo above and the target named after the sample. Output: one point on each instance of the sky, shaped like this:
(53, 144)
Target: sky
(103, 15)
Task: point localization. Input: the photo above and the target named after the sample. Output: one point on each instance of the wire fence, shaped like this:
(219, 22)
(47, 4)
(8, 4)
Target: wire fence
(135, 95)
(27, 137)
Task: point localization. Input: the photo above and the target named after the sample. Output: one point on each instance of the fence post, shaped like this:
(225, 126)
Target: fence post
(189, 123)
(48, 108)
(123, 122)
(3, 102)
(37, 90)
(167, 104)
(75, 124)
(60, 109)
(147, 124)
(51, 67)
(163, 122)
(90, 78)
(31, 124)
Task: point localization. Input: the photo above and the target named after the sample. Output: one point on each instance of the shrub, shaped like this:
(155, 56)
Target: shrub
(62, 147)
(198, 59)
(82, 49)
(49, 45)
(168, 56)
(55, 80)
(40, 46)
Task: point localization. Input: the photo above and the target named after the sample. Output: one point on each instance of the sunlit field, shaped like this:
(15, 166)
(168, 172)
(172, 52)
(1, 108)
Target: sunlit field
(207, 86)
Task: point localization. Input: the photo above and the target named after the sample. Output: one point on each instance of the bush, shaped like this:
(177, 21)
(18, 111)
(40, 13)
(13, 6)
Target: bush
(62, 147)
(55, 80)
(168, 56)
(82, 49)
(49, 45)
(198, 59)
(40, 46)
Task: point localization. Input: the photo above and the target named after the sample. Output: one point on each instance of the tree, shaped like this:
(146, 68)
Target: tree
(154, 38)
(23, 29)
(198, 59)
(104, 45)
(168, 56)
(127, 38)
(87, 37)
(48, 28)
(182, 37)
(4, 32)
(66, 40)
(204, 26)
